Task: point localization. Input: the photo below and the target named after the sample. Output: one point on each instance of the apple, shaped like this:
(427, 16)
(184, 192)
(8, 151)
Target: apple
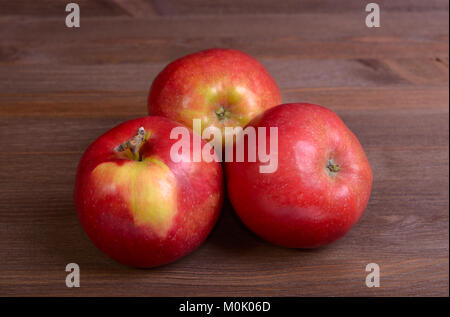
(221, 87)
(136, 204)
(320, 188)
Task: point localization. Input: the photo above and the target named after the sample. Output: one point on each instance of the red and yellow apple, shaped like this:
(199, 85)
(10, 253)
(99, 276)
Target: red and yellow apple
(320, 188)
(139, 206)
(221, 87)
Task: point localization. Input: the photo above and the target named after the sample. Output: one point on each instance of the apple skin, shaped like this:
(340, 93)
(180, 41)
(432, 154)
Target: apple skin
(303, 204)
(221, 87)
(150, 212)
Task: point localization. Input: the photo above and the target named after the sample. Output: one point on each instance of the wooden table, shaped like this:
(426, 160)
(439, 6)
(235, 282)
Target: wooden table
(62, 87)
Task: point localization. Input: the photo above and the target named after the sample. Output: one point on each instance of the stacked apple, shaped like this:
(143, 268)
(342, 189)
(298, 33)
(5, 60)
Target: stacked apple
(143, 208)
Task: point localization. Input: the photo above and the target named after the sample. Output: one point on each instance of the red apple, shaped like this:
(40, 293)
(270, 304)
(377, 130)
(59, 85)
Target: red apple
(136, 204)
(221, 87)
(320, 188)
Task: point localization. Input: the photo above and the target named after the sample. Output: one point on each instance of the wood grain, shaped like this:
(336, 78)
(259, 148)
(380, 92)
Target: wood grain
(60, 88)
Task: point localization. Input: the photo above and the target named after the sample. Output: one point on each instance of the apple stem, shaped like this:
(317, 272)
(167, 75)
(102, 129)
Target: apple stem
(222, 113)
(332, 167)
(134, 144)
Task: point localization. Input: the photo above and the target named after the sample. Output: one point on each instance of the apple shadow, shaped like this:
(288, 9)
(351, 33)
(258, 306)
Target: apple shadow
(231, 235)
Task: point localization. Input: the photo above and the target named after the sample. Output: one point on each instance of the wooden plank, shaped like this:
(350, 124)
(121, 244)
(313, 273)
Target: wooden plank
(53, 8)
(417, 26)
(133, 104)
(304, 73)
(56, 8)
(136, 8)
(398, 53)
(115, 51)
(222, 7)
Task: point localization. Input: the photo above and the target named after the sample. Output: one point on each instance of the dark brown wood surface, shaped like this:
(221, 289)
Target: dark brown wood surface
(60, 88)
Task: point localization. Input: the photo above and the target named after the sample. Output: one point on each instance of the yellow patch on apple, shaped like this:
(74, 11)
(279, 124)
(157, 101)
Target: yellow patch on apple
(149, 186)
